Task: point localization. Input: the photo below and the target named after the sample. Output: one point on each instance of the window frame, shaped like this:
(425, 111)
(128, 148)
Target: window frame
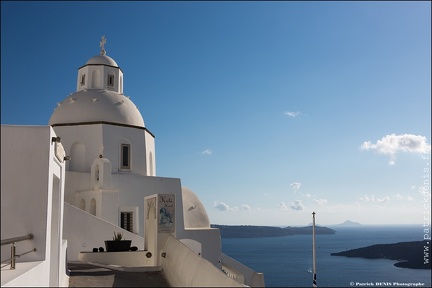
(110, 80)
(82, 82)
(122, 158)
(129, 224)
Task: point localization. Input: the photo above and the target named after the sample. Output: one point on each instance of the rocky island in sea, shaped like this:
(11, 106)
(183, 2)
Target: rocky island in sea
(414, 255)
(348, 223)
(247, 231)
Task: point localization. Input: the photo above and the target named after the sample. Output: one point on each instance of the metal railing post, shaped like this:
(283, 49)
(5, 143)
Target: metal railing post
(12, 241)
(12, 256)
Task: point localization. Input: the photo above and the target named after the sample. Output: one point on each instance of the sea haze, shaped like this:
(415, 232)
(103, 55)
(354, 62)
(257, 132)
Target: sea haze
(287, 261)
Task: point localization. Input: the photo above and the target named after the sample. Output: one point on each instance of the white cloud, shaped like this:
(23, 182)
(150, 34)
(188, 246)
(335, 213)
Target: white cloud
(234, 208)
(366, 198)
(207, 152)
(307, 195)
(392, 144)
(295, 186)
(282, 206)
(292, 114)
(297, 205)
(374, 199)
(245, 207)
(404, 198)
(321, 202)
(221, 206)
(384, 199)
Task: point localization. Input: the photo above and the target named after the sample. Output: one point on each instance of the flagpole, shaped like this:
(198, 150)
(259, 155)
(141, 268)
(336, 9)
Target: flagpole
(314, 283)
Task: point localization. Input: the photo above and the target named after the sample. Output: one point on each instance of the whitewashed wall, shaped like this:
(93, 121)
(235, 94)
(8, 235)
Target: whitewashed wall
(242, 273)
(32, 196)
(25, 155)
(151, 154)
(89, 135)
(210, 243)
(75, 181)
(113, 136)
(94, 136)
(135, 187)
(183, 268)
(85, 232)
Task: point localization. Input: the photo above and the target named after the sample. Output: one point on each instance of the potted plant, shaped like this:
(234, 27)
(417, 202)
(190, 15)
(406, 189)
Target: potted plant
(118, 243)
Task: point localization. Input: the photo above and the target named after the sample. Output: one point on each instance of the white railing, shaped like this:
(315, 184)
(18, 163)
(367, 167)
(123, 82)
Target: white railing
(12, 241)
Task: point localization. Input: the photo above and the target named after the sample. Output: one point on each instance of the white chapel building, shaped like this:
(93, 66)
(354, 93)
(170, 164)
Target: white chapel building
(99, 177)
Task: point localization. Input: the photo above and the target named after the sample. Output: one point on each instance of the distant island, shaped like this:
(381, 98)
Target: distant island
(409, 254)
(348, 223)
(246, 231)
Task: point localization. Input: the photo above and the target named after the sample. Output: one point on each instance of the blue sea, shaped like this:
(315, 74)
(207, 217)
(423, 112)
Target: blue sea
(287, 261)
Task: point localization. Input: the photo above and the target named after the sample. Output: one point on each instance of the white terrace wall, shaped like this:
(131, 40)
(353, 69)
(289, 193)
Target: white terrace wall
(210, 241)
(32, 274)
(25, 155)
(85, 232)
(32, 195)
(183, 268)
(242, 273)
(29, 274)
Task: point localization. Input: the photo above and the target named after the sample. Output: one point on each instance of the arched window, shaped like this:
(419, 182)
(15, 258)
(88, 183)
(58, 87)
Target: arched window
(78, 157)
(82, 204)
(121, 85)
(82, 80)
(151, 170)
(110, 80)
(96, 173)
(96, 79)
(93, 206)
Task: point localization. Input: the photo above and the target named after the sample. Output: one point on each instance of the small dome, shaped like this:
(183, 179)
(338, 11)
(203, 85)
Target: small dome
(102, 60)
(194, 213)
(97, 105)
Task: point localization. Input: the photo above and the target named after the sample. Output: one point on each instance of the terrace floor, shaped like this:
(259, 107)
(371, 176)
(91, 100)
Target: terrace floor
(83, 274)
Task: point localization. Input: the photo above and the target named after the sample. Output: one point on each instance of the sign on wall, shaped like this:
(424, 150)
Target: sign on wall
(151, 208)
(166, 205)
(59, 151)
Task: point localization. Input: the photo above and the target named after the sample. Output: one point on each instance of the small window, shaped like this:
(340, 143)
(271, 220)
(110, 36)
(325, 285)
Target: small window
(97, 173)
(125, 156)
(93, 206)
(110, 80)
(82, 80)
(126, 221)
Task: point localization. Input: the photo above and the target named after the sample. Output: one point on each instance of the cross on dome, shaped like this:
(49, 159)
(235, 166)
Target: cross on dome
(101, 44)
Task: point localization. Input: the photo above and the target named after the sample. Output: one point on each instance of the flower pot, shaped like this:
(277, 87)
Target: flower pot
(116, 246)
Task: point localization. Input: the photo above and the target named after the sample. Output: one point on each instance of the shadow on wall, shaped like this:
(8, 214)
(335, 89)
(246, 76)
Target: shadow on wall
(83, 238)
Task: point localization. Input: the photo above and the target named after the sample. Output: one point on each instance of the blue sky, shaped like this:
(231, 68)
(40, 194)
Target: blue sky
(266, 110)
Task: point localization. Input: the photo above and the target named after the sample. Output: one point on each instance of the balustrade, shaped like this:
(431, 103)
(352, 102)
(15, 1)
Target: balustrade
(12, 241)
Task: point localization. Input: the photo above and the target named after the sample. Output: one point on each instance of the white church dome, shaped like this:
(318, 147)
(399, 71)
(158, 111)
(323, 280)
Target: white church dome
(96, 106)
(194, 212)
(102, 60)
(99, 96)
